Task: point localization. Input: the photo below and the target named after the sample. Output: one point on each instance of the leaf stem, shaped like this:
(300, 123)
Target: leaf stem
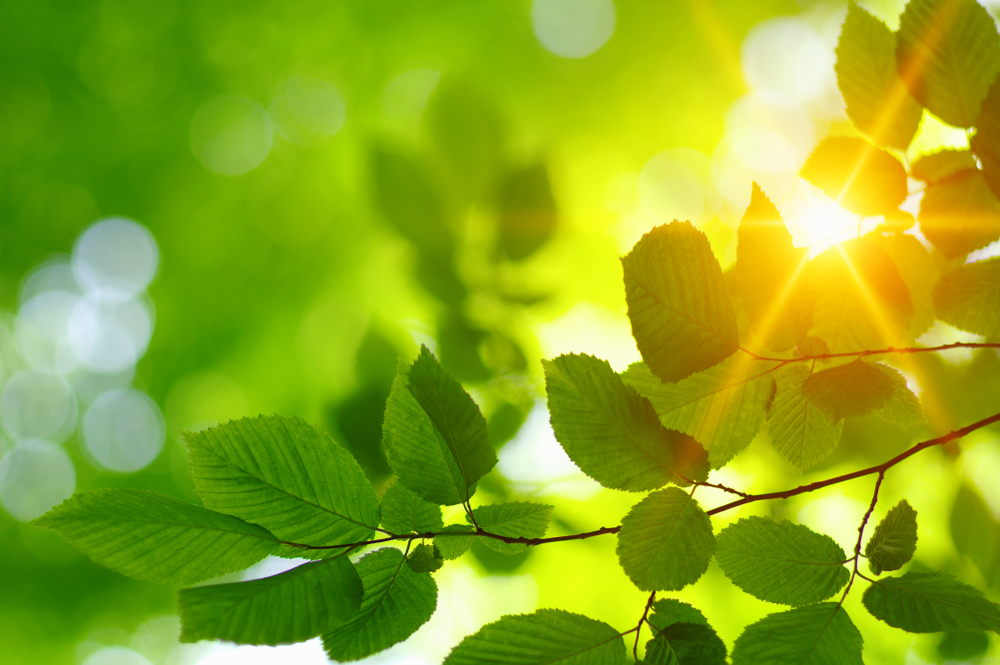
(638, 627)
(873, 352)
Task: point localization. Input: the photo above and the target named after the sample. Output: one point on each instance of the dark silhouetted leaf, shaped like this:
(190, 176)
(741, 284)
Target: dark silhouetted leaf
(976, 533)
(894, 540)
(411, 203)
(846, 391)
(799, 431)
(860, 177)
(930, 602)
(527, 211)
(963, 646)
(936, 166)
(668, 611)
(969, 298)
(813, 635)
(986, 141)
(960, 215)
(423, 559)
(686, 644)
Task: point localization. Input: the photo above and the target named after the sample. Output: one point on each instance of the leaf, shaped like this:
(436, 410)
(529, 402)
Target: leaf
(969, 298)
(723, 407)
(976, 533)
(878, 102)
(517, 519)
(930, 602)
(423, 559)
(609, 430)
(858, 176)
(543, 638)
(286, 475)
(948, 55)
(918, 272)
(435, 437)
(666, 541)
(157, 538)
(686, 644)
(291, 607)
(862, 301)
(668, 611)
(397, 601)
(986, 141)
(963, 646)
(405, 512)
(768, 269)
(781, 562)
(903, 407)
(677, 299)
(454, 546)
(848, 391)
(799, 431)
(820, 634)
(937, 166)
(960, 214)
(528, 211)
(894, 540)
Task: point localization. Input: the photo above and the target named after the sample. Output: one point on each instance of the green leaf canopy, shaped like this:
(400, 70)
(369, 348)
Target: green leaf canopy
(960, 214)
(435, 436)
(397, 601)
(799, 430)
(894, 541)
(781, 562)
(677, 299)
(286, 475)
(405, 512)
(294, 606)
(878, 102)
(850, 390)
(948, 53)
(666, 541)
(820, 634)
(157, 538)
(930, 602)
(860, 177)
(610, 431)
(517, 519)
(547, 637)
(969, 298)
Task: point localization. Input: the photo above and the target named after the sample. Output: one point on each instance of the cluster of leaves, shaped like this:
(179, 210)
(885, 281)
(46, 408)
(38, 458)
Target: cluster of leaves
(781, 342)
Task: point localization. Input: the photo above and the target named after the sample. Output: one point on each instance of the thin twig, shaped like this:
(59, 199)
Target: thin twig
(861, 535)
(873, 352)
(638, 626)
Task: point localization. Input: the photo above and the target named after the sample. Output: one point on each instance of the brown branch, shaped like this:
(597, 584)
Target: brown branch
(861, 535)
(638, 626)
(874, 352)
(507, 539)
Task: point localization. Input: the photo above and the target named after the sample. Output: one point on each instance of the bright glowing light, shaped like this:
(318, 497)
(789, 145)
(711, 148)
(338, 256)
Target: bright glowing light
(115, 259)
(42, 331)
(573, 28)
(307, 110)
(589, 328)
(787, 58)
(768, 135)
(110, 338)
(54, 275)
(116, 656)
(123, 430)
(672, 185)
(35, 475)
(36, 404)
(303, 653)
(231, 134)
(534, 455)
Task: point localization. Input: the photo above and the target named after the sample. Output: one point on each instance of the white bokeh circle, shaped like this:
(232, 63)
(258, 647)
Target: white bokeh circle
(573, 28)
(116, 656)
(123, 430)
(35, 475)
(37, 404)
(41, 331)
(231, 134)
(307, 110)
(110, 337)
(115, 259)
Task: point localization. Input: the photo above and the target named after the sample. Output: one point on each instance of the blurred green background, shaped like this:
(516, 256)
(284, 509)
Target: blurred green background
(217, 209)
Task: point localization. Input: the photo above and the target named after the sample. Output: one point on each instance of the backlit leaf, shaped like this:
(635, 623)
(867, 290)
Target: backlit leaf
(820, 634)
(528, 211)
(666, 541)
(969, 298)
(894, 540)
(936, 166)
(918, 271)
(986, 141)
(686, 644)
(846, 391)
(290, 607)
(930, 602)
(454, 540)
(799, 430)
(781, 562)
(667, 611)
(860, 177)
(517, 519)
(976, 533)
(424, 559)
(960, 214)
(677, 300)
(405, 512)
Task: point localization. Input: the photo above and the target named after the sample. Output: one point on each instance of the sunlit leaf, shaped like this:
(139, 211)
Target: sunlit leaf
(820, 634)
(918, 271)
(677, 299)
(799, 430)
(290, 607)
(668, 611)
(781, 562)
(986, 141)
(930, 602)
(903, 408)
(397, 601)
(424, 559)
(860, 177)
(517, 519)
(936, 166)
(878, 102)
(157, 538)
(846, 391)
(454, 540)
(948, 54)
(894, 540)
(286, 475)
(527, 211)
(607, 428)
(546, 637)
(666, 541)
(405, 512)
(686, 644)
(969, 298)
(722, 407)
(960, 214)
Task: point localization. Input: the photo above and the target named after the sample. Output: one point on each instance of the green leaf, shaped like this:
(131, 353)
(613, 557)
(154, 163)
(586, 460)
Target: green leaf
(686, 644)
(677, 299)
(918, 272)
(860, 177)
(768, 269)
(960, 214)
(286, 475)
(157, 538)
(668, 611)
(948, 53)
(435, 437)
(851, 390)
(903, 407)
(894, 540)
(862, 301)
(518, 519)
(799, 431)
(930, 602)
(405, 512)
(878, 102)
(781, 562)
(937, 166)
(963, 646)
(666, 541)
(976, 533)
(527, 211)
(609, 430)
(291, 607)
(546, 637)
(423, 559)
(723, 407)
(820, 634)
(454, 541)
(969, 298)
(986, 141)
(397, 601)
